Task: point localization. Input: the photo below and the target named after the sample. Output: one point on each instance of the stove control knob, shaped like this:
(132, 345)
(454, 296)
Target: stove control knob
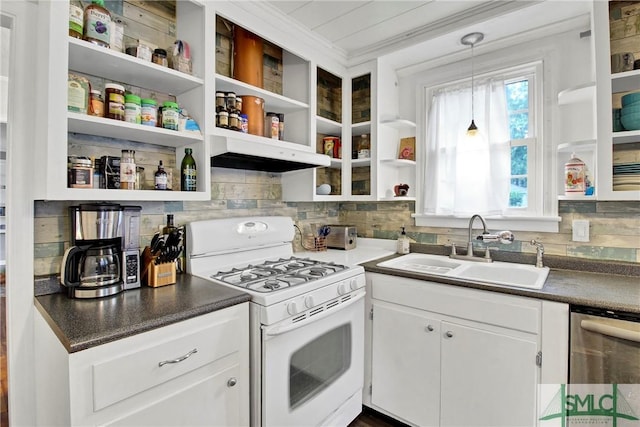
(354, 284)
(308, 301)
(343, 288)
(292, 308)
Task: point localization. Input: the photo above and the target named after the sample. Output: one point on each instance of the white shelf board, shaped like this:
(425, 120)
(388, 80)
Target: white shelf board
(399, 162)
(328, 127)
(399, 123)
(396, 198)
(567, 147)
(131, 195)
(581, 197)
(336, 163)
(626, 81)
(100, 126)
(626, 137)
(581, 93)
(360, 128)
(359, 163)
(90, 59)
(272, 101)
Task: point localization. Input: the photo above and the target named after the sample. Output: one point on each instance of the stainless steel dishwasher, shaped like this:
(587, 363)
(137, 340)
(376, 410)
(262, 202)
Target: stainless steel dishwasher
(605, 347)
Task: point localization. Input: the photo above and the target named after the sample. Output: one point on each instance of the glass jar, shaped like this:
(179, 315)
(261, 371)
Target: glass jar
(222, 119)
(96, 104)
(160, 57)
(80, 172)
(234, 121)
(128, 170)
(148, 112)
(221, 102)
(76, 19)
(132, 109)
(97, 20)
(272, 126)
(231, 101)
(170, 115)
(114, 96)
(238, 104)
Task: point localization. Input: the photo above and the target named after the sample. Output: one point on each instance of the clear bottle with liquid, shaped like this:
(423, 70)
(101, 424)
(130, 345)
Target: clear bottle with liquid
(403, 243)
(160, 177)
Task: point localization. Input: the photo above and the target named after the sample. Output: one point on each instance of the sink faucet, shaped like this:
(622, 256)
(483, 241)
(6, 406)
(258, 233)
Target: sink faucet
(539, 252)
(504, 237)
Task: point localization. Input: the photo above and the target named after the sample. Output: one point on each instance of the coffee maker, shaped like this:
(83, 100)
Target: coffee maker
(131, 247)
(103, 258)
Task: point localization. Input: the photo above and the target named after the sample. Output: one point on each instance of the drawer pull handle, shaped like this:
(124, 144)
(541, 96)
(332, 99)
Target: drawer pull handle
(429, 328)
(232, 381)
(449, 334)
(179, 359)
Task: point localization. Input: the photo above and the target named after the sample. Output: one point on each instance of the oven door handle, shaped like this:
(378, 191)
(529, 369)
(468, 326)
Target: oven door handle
(279, 330)
(613, 331)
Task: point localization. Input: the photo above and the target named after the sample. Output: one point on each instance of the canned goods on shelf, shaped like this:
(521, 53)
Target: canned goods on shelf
(148, 112)
(114, 99)
(132, 109)
(170, 115)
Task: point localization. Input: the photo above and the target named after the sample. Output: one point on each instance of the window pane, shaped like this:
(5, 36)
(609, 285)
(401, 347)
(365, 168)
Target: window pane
(518, 107)
(518, 95)
(519, 125)
(519, 193)
(519, 160)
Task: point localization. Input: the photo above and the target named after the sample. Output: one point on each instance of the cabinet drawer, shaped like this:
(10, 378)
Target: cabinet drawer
(128, 374)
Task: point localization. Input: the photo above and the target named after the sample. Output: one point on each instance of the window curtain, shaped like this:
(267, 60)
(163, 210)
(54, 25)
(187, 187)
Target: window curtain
(467, 175)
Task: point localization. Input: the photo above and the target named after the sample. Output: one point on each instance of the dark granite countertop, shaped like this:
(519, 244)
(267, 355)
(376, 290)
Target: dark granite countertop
(85, 323)
(595, 285)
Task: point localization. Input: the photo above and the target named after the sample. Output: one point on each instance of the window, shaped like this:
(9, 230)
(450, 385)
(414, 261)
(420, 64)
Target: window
(523, 198)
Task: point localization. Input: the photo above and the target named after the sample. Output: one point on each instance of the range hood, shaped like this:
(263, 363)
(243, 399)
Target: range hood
(250, 152)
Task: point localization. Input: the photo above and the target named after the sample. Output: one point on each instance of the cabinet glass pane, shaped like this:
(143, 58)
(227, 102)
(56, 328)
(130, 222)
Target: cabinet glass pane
(329, 92)
(5, 40)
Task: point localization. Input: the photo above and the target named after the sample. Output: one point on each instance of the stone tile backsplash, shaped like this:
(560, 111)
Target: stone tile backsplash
(614, 226)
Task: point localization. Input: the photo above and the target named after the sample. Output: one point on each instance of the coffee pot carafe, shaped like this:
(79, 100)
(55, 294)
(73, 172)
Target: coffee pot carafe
(91, 266)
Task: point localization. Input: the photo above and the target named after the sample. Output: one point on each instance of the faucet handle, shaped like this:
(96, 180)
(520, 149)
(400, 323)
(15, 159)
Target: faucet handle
(453, 249)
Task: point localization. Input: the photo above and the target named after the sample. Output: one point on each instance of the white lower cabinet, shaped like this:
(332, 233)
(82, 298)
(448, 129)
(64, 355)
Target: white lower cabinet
(442, 355)
(194, 372)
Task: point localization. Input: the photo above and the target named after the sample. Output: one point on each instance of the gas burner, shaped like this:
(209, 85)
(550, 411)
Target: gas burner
(318, 271)
(273, 275)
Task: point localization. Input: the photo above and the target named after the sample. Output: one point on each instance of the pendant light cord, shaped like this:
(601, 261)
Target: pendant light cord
(472, 102)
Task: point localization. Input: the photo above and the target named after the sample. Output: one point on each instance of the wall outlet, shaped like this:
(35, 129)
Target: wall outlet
(580, 230)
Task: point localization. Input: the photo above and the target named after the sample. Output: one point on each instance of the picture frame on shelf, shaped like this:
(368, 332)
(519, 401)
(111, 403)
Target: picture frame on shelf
(407, 148)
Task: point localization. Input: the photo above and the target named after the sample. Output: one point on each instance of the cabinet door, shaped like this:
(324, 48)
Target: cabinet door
(406, 363)
(488, 379)
(214, 401)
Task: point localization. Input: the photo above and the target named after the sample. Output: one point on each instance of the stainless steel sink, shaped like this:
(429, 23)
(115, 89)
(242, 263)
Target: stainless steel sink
(495, 273)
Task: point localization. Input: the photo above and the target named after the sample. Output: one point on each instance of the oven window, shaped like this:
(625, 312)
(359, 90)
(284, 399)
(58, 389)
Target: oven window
(318, 364)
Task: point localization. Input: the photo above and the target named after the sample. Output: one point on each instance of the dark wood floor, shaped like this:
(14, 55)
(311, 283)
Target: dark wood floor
(371, 418)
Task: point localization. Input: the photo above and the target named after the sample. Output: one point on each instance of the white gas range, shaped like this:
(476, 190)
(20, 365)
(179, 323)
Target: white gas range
(307, 319)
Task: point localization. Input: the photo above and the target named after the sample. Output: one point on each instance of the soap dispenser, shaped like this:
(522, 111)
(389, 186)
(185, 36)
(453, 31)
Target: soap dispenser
(403, 243)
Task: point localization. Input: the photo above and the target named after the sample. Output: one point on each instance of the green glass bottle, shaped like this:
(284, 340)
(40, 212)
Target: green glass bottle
(188, 181)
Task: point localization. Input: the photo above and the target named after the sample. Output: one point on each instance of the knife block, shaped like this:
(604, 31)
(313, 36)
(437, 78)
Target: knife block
(156, 275)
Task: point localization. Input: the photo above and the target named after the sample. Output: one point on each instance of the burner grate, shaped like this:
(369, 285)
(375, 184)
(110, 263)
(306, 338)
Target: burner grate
(273, 275)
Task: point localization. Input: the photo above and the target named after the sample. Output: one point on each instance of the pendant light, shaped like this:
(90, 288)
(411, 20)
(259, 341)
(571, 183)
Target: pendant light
(470, 40)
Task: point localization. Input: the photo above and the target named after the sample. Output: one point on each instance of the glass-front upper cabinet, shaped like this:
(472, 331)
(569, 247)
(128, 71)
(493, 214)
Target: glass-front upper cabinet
(361, 150)
(329, 133)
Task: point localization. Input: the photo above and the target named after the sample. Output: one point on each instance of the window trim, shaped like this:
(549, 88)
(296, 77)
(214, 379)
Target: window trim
(535, 217)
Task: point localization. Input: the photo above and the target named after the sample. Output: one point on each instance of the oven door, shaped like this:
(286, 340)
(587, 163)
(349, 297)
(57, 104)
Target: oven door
(311, 368)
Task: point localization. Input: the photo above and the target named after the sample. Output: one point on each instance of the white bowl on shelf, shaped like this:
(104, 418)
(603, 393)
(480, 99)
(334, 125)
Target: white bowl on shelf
(323, 190)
